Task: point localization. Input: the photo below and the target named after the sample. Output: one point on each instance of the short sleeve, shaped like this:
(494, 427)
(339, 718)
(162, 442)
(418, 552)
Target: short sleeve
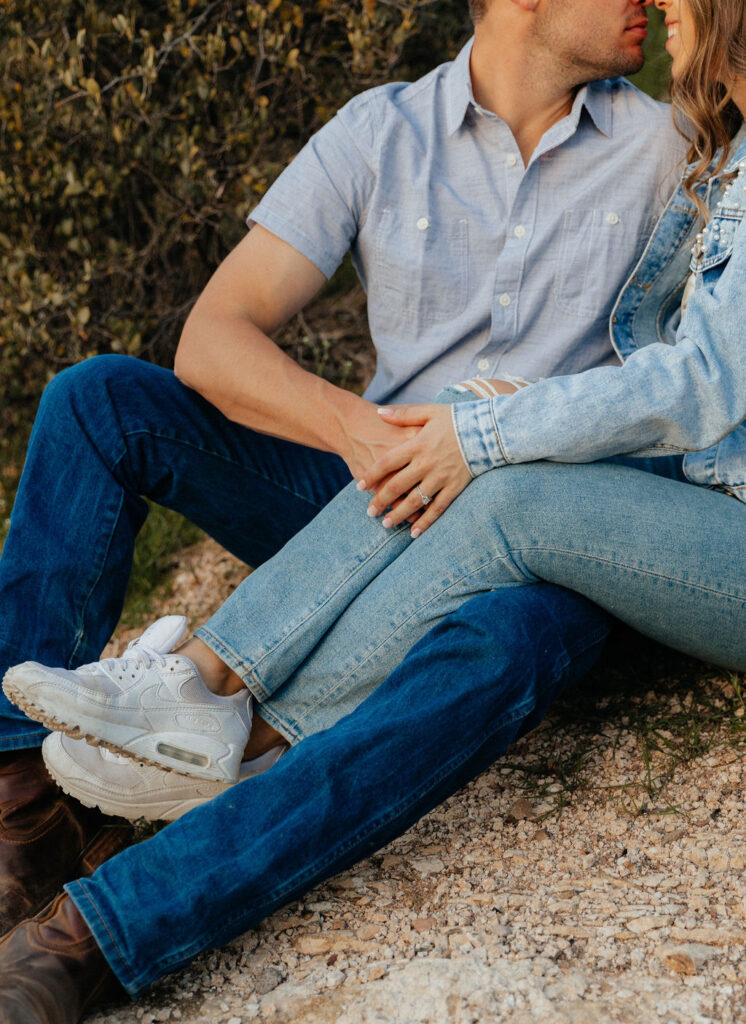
(318, 203)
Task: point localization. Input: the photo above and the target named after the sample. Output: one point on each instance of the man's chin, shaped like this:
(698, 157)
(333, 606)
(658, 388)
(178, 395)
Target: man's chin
(634, 65)
(625, 64)
(631, 61)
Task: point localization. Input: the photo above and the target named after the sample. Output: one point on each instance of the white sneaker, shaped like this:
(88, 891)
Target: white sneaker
(150, 705)
(118, 785)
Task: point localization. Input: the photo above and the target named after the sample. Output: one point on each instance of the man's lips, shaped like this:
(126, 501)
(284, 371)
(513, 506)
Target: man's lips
(639, 30)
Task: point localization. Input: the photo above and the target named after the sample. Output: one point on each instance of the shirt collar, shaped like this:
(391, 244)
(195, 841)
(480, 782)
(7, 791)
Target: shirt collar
(459, 96)
(594, 97)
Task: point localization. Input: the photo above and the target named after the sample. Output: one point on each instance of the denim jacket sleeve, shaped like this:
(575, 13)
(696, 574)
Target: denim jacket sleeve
(664, 399)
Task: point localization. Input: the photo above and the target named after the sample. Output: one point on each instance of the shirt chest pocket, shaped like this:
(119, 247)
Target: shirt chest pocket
(420, 270)
(597, 248)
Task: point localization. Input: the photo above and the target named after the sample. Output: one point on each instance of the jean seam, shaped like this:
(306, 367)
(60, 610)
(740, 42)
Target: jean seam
(251, 669)
(459, 440)
(323, 699)
(32, 735)
(290, 725)
(217, 645)
(115, 945)
(225, 458)
(284, 726)
(500, 445)
(629, 568)
(597, 637)
(362, 834)
(80, 634)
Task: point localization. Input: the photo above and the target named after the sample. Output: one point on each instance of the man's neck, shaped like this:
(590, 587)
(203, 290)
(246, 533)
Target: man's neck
(524, 88)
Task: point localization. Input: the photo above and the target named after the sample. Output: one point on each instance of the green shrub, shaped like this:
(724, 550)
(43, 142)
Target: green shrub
(135, 139)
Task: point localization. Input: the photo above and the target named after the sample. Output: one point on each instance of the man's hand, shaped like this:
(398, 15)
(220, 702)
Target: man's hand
(368, 438)
(430, 460)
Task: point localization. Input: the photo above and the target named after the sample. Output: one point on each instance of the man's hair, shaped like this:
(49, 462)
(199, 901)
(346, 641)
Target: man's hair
(477, 9)
(718, 56)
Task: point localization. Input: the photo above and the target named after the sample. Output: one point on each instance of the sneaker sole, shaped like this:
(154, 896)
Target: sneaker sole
(78, 731)
(157, 810)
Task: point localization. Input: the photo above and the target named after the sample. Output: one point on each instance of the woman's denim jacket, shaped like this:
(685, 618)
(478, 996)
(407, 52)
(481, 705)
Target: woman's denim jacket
(682, 385)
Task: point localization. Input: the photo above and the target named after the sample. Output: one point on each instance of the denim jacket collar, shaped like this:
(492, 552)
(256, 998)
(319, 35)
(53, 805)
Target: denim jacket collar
(715, 242)
(648, 308)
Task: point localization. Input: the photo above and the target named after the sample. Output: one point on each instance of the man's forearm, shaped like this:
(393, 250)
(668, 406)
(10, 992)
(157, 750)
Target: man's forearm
(232, 363)
(236, 367)
(226, 353)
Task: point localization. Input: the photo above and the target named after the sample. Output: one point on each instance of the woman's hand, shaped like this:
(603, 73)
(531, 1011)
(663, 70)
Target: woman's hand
(367, 438)
(423, 474)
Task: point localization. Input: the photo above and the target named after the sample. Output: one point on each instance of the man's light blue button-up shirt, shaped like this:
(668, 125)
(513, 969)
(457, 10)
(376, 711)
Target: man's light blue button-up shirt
(474, 264)
(682, 387)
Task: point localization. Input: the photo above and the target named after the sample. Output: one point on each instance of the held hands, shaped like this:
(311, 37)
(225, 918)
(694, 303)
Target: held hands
(367, 438)
(418, 472)
(418, 478)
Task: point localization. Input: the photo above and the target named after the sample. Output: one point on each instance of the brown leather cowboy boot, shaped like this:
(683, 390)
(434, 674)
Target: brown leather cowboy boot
(46, 838)
(52, 971)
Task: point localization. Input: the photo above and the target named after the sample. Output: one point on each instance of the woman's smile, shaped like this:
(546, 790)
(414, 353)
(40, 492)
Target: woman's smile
(680, 32)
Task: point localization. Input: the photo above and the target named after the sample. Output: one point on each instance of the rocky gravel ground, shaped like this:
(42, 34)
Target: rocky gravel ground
(592, 876)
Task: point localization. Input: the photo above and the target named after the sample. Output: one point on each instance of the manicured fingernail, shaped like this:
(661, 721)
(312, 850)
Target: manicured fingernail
(388, 522)
(362, 486)
(383, 410)
(416, 532)
(372, 511)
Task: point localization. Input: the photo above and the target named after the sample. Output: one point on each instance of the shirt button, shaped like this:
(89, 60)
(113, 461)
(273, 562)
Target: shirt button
(519, 231)
(612, 218)
(423, 224)
(504, 299)
(512, 160)
(484, 364)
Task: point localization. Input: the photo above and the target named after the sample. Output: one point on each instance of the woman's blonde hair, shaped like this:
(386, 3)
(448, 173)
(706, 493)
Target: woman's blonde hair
(702, 92)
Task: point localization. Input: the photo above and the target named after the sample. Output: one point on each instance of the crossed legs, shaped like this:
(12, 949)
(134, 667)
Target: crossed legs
(343, 792)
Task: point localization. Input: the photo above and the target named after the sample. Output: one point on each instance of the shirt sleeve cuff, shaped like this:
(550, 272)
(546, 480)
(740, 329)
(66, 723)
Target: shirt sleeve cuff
(327, 262)
(478, 436)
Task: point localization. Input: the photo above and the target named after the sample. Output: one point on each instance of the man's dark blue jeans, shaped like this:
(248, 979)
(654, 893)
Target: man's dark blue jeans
(113, 430)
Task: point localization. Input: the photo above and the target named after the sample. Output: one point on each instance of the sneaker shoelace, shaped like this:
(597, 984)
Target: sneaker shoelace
(137, 652)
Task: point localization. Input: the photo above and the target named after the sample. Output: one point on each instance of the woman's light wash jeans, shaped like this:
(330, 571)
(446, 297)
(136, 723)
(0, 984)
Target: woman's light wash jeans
(316, 629)
(664, 555)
